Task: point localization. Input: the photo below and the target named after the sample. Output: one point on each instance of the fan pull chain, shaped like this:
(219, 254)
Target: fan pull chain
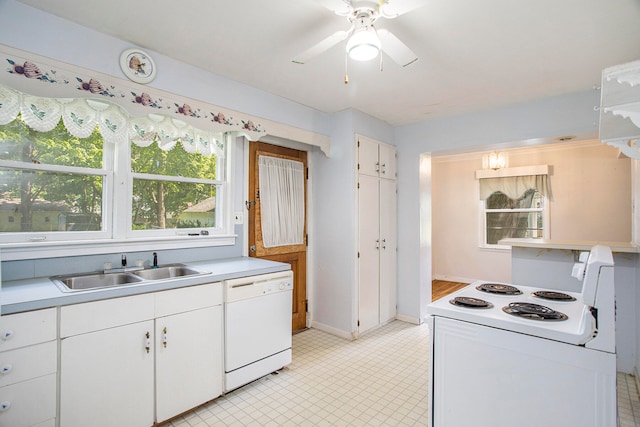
(346, 68)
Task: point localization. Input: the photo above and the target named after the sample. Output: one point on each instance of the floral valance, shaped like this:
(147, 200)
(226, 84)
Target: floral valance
(47, 78)
(49, 90)
(81, 116)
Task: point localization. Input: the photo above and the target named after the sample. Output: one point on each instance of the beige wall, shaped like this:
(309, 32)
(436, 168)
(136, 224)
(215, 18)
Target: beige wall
(591, 188)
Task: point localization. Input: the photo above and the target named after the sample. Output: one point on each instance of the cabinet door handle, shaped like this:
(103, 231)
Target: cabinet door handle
(4, 406)
(7, 334)
(378, 244)
(6, 368)
(147, 342)
(377, 166)
(164, 337)
(384, 169)
(384, 243)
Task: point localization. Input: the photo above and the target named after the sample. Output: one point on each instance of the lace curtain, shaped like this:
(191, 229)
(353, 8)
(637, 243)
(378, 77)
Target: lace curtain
(81, 116)
(281, 201)
(515, 186)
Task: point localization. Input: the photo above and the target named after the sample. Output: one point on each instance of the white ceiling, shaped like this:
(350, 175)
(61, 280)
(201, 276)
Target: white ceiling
(474, 55)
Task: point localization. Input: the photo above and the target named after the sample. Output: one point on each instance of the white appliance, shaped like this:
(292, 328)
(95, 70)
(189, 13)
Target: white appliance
(257, 327)
(516, 357)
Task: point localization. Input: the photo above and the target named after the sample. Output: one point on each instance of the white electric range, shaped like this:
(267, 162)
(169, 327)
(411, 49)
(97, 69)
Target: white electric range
(505, 354)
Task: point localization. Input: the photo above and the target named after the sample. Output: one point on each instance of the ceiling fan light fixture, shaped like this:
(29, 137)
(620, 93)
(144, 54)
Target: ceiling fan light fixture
(364, 44)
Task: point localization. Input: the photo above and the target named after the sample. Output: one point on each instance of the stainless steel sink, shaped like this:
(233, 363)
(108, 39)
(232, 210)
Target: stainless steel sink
(85, 281)
(167, 272)
(81, 282)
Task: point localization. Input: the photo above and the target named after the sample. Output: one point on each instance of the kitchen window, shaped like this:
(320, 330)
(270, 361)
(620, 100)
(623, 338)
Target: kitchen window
(523, 217)
(173, 190)
(514, 203)
(63, 180)
(51, 175)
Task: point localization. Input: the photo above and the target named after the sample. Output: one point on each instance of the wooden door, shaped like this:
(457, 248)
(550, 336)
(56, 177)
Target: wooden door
(295, 255)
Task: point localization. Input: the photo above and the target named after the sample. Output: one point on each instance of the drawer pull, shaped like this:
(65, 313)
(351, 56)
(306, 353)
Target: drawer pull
(4, 406)
(6, 369)
(7, 334)
(147, 342)
(164, 337)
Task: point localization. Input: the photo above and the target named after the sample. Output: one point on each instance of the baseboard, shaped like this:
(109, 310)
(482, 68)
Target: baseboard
(331, 330)
(408, 319)
(453, 279)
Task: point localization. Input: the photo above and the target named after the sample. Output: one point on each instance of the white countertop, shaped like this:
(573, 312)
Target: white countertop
(33, 294)
(580, 245)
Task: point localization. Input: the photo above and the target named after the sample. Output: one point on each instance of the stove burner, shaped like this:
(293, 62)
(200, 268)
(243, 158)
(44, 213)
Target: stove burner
(470, 302)
(533, 311)
(552, 295)
(497, 288)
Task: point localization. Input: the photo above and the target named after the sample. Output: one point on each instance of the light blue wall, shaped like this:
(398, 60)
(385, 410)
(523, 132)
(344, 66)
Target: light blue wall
(524, 124)
(334, 234)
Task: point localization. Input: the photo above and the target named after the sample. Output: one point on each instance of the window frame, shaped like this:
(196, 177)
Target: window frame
(117, 232)
(483, 222)
(33, 237)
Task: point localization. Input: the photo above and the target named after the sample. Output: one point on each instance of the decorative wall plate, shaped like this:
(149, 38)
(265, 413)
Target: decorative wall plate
(137, 65)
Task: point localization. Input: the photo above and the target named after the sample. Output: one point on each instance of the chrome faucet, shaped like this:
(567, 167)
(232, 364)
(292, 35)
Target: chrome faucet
(155, 260)
(124, 260)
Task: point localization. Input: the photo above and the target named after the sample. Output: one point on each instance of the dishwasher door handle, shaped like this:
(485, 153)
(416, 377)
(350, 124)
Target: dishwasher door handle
(240, 285)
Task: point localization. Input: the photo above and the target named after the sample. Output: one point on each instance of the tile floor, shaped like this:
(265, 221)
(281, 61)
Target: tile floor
(377, 380)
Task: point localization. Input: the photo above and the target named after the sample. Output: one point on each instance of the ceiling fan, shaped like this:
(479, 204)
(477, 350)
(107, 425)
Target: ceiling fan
(365, 40)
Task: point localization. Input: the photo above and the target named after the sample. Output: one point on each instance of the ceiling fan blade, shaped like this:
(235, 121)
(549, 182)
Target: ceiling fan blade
(395, 8)
(398, 51)
(320, 47)
(339, 7)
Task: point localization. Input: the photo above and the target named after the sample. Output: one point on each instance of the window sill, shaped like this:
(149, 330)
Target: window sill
(25, 251)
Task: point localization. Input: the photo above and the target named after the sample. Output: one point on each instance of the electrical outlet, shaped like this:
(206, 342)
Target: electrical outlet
(238, 218)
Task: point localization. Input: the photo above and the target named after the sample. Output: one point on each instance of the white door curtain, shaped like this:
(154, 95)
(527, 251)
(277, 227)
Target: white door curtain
(281, 201)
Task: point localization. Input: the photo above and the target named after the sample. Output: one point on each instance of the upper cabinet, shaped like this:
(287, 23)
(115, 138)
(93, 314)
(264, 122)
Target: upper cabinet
(620, 108)
(376, 159)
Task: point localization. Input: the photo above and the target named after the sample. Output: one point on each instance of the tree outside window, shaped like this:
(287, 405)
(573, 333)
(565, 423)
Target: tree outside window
(514, 218)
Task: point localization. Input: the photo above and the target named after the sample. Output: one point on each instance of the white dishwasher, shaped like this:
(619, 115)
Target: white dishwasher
(257, 327)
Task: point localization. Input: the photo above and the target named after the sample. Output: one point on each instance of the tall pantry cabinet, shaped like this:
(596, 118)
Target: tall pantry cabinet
(377, 235)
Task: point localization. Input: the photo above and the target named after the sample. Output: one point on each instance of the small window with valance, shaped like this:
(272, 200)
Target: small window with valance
(514, 203)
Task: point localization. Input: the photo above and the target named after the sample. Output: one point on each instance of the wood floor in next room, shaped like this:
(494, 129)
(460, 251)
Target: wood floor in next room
(441, 288)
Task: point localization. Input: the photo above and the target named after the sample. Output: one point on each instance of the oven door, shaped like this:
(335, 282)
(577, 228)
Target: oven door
(484, 376)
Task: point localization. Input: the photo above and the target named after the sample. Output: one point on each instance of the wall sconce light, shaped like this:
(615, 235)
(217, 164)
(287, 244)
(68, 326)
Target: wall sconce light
(495, 160)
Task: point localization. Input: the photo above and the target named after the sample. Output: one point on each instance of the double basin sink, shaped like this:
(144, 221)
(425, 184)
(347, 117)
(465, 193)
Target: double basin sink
(87, 281)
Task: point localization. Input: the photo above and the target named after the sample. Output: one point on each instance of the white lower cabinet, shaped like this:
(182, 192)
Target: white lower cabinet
(188, 360)
(106, 377)
(156, 356)
(28, 366)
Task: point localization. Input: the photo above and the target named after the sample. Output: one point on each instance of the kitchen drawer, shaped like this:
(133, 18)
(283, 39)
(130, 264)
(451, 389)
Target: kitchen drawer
(28, 362)
(23, 329)
(29, 402)
(94, 316)
(188, 299)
